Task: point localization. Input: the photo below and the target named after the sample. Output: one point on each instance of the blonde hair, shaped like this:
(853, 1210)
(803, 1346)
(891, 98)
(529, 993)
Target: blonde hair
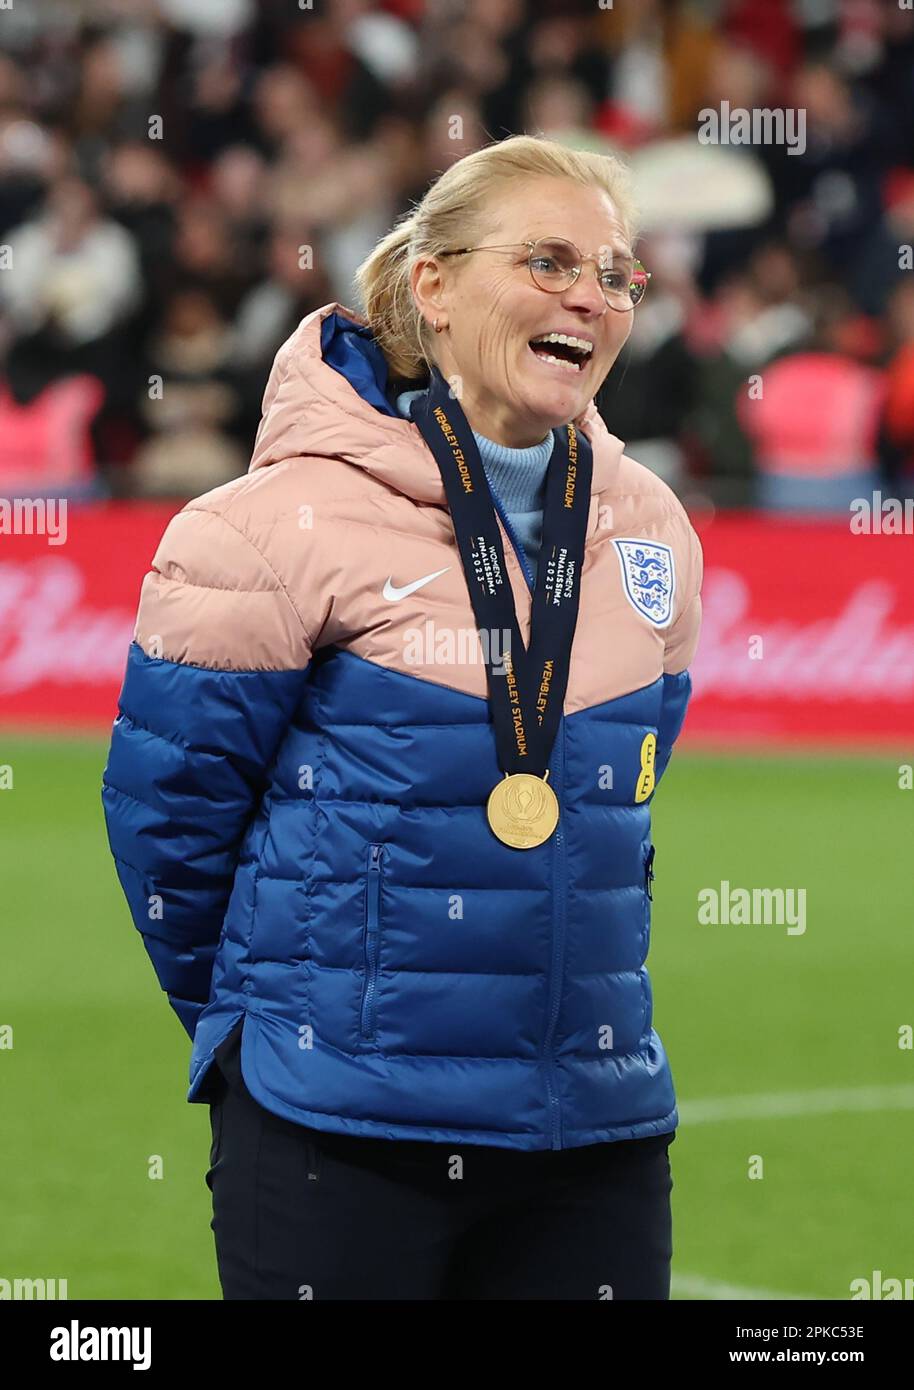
(452, 213)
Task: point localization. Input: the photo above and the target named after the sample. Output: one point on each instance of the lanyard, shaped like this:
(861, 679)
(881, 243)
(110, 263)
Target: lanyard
(526, 685)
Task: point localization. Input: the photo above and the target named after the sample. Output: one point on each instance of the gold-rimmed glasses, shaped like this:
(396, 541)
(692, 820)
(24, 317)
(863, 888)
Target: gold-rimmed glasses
(555, 264)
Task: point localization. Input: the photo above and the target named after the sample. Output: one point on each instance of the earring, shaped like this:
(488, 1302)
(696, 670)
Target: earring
(435, 326)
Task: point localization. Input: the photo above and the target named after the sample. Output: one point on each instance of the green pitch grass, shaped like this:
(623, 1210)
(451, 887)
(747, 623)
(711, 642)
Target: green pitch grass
(94, 1087)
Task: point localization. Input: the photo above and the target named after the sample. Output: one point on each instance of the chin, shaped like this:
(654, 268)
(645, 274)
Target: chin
(558, 406)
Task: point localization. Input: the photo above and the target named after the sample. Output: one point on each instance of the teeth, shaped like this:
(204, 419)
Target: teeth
(559, 361)
(581, 343)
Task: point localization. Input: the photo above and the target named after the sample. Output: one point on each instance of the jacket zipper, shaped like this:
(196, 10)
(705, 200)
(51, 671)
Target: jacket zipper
(372, 938)
(559, 887)
(649, 872)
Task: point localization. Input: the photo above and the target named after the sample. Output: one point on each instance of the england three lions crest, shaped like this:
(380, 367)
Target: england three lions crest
(649, 578)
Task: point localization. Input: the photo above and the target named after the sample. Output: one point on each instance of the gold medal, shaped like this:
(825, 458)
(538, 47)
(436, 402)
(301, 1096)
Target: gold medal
(523, 810)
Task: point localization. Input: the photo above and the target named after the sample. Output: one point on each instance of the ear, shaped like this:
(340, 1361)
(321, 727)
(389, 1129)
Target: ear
(427, 284)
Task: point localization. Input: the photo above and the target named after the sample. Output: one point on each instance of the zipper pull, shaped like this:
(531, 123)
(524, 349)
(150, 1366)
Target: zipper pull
(649, 872)
(374, 857)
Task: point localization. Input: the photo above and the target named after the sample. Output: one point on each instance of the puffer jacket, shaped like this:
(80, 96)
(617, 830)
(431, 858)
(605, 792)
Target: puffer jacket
(296, 786)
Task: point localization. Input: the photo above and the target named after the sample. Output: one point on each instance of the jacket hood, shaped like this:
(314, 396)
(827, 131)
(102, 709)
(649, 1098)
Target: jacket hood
(327, 396)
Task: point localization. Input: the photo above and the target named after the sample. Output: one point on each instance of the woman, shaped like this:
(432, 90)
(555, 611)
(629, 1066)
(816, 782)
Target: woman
(388, 841)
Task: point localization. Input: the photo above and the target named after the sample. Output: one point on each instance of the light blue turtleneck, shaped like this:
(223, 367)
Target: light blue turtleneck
(516, 476)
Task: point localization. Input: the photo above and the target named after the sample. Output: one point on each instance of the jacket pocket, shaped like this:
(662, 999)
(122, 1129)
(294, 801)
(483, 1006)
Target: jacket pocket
(648, 895)
(372, 939)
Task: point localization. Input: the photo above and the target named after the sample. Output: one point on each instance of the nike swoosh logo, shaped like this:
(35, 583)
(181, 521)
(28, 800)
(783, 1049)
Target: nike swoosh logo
(394, 595)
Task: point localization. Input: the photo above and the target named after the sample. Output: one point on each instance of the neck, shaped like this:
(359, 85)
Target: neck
(510, 439)
(502, 427)
(499, 422)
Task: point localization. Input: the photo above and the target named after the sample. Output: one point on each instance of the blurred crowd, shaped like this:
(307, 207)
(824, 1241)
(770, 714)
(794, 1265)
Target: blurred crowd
(181, 181)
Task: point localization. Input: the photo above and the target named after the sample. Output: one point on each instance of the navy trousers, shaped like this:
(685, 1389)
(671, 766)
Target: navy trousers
(303, 1214)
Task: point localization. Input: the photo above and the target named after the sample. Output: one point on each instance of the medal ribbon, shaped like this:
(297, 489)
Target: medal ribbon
(526, 686)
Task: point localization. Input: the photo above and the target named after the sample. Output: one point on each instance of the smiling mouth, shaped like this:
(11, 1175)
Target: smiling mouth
(568, 356)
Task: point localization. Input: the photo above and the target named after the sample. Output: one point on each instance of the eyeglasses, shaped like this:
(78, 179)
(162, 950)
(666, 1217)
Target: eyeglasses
(555, 264)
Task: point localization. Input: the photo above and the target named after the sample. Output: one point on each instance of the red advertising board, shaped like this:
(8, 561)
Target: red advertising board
(808, 632)
(67, 613)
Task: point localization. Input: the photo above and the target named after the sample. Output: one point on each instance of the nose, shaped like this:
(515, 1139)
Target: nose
(587, 292)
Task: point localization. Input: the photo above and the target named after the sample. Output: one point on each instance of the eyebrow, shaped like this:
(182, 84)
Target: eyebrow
(620, 251)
